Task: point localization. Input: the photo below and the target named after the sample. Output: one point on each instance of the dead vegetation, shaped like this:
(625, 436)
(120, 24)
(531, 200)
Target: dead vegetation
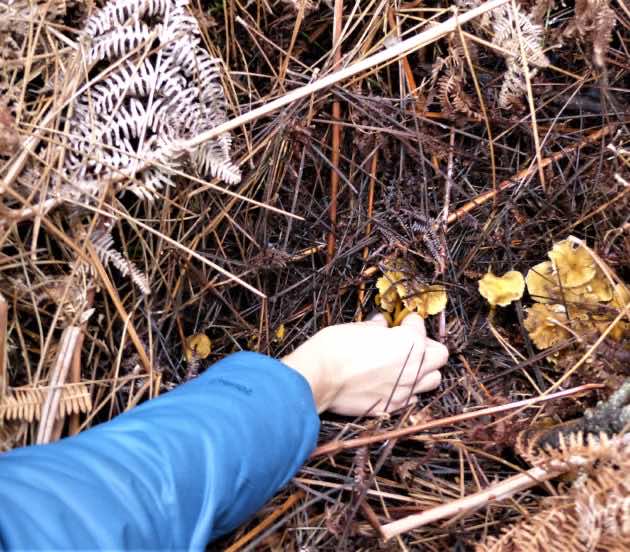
(123, 235)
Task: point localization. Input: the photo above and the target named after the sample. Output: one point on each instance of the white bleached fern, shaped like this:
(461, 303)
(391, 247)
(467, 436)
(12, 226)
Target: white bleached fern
(159, 86)
(104, 246)
(153, 85)
(509, 28)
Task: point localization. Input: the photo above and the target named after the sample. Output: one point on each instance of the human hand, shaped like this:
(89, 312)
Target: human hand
(368, 368)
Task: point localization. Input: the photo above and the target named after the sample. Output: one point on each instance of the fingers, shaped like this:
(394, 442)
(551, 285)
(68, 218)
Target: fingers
(435, 356)
(428, 357)
(415, 322)
(377, 319)
(429, 382)
(408, 400)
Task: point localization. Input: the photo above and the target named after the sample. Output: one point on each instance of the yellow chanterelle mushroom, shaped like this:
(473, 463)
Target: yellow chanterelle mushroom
(427, 301)
(542, 283)
(573, 264)
(502, 290)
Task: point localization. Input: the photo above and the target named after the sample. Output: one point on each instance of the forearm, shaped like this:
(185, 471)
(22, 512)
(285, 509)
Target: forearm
(175, 472)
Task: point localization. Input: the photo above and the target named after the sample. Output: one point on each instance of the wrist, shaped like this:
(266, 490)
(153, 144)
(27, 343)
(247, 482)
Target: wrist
(310, 361)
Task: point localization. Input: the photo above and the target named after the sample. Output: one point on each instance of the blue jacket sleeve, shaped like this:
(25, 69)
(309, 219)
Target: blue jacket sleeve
(173, 473)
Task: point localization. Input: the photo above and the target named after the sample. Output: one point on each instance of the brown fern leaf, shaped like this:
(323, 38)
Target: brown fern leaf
(594, 21)
(11, 434)
(26, 403)
(593, 516)
(104, 246)
(572, 450)
(453, 100)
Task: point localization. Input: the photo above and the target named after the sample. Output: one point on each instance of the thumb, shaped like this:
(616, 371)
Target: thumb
(415, 322)
(377, 319)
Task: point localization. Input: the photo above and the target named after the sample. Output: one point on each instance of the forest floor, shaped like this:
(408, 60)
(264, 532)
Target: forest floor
(482, 147)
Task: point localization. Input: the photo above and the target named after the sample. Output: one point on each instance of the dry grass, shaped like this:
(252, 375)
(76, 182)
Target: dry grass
(423, 134)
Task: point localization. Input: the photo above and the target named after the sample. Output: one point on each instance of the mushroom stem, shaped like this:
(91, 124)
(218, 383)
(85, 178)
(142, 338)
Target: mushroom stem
(400, 316)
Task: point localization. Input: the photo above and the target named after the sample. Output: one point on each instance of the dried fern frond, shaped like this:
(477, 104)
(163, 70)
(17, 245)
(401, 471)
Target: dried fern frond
(452, 97)
(451, 84)
(594, 21)
(162, 87)
(513, 31)
(17, 16)
(593, 516)
(507, 25)
(104, 246)
(26, 403)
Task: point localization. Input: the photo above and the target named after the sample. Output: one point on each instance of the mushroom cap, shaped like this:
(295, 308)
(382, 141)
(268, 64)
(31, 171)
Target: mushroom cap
(387, 295)
(426, 301)
(401, 283)
(542, 283)
(621, 296)
(540, 325)
(395, 273)
(502, 290)
(197, 346)
(573, 263)
(598, 290)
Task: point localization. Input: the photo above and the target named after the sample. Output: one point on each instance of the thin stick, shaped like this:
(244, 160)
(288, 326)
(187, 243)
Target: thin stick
(75, 370)
(75, 377)
(447, 203)
(337, 446)
(336, 135)
(411, 81)
(67, 346)
(483, 198)
(288, 504)
(482, 105)
(4, 323)
(495, 493)
(468, 504)
(368, 229)
(530, 100)
(125, 317)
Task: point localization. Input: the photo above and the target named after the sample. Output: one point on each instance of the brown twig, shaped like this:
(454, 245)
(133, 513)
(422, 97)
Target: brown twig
(252, 533)
(4, 322)
(468, 504)
(524, 173)
(336, 134)
(67, 348)
(337, 446)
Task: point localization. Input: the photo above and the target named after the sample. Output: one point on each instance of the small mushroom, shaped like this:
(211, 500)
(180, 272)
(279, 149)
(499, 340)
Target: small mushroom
(573, 264)
(598, 290)
(198, 346)
(401, 291)
(502, 290)
(542, 283)
(621, 296)
(387, 295)
(542, 327)
(426, 301)
(280, 333)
